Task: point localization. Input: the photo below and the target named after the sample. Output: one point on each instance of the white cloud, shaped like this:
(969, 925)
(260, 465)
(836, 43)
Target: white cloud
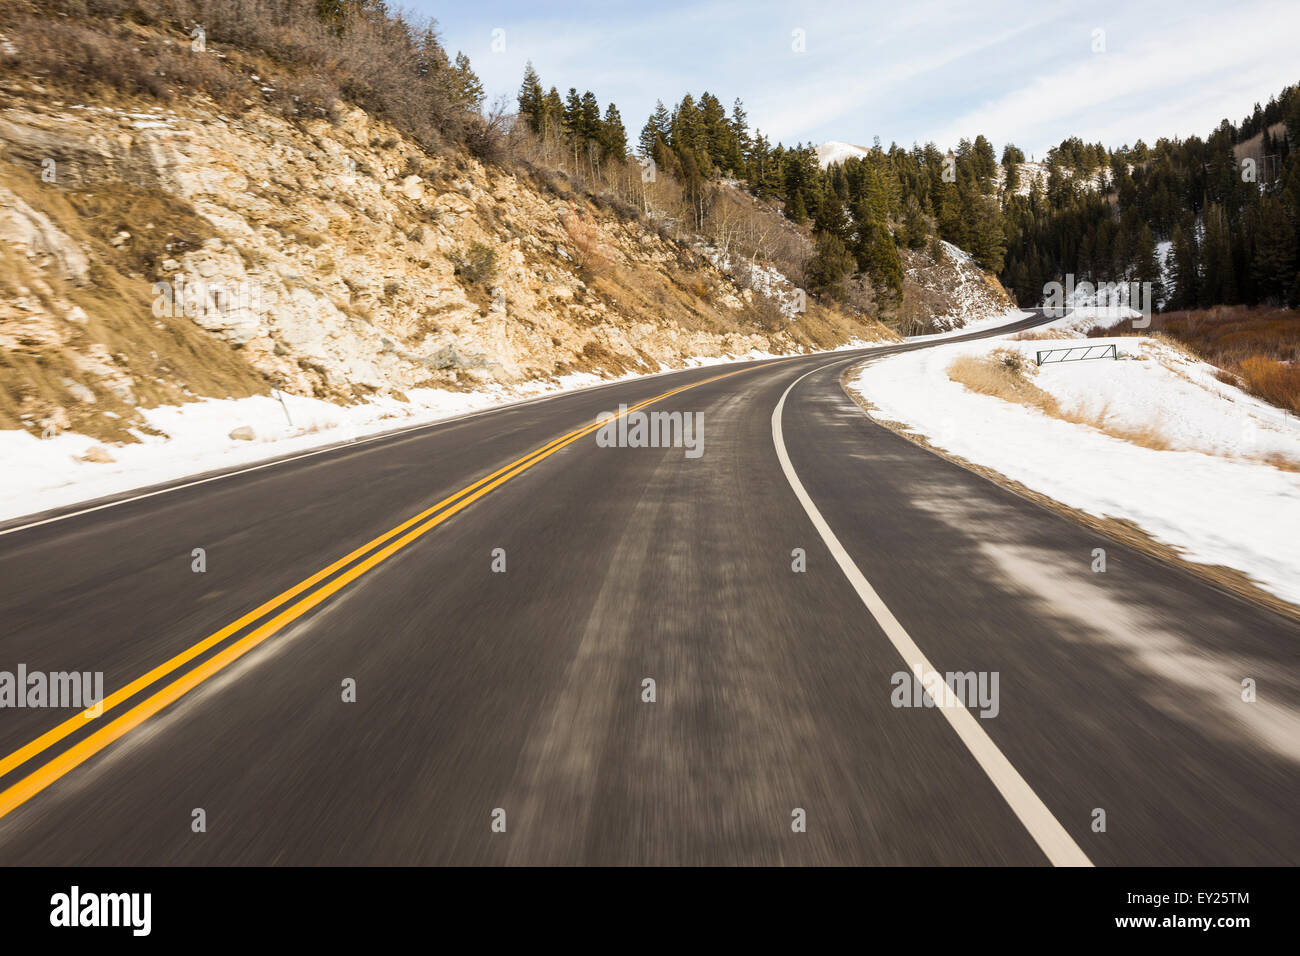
(1016, 70)
(1178, 81)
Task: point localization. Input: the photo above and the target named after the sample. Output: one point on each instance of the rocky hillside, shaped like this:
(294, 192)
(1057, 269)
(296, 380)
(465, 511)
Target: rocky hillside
(175, 253)
(155, 252)
(944, 289)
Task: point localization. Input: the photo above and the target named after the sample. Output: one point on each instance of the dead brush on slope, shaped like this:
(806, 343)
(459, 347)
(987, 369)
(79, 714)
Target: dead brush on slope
(1256, 348)
(1275, 382)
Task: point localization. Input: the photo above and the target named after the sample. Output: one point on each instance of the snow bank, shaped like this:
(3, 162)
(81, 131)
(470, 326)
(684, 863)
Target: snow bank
(1078, 321)
(1211, 495)
(44, 474)
(984, 322)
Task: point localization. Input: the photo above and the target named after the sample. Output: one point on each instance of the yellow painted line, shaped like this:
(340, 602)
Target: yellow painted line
(21, 756)
(48, 773)
(53, 736)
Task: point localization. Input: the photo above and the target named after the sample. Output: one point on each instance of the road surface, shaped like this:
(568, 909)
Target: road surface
(486, 698)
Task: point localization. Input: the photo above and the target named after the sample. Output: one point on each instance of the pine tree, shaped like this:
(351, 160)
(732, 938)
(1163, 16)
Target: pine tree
(988, 244)
(948, 211)
(613, 138)
(684, 129)
(914, 225)
(645, 143)
(552, 113)
(740, 139)
(571, 118)
(431, 63)
(531, 99)
(1220, 281)
(1275, 252)
(573, 126)
(830, 218)
(984, 163)
(877, 256)
(714, 129)
(467, 89)
(1185, 273)
(1012, 157)
(590, 125)
(826, 270)
(693, 182)
(1146, 267)
(795, 210)
(767, 166)
(658, 126)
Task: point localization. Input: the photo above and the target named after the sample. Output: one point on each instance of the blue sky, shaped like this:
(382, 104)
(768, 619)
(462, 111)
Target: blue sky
(906, 71)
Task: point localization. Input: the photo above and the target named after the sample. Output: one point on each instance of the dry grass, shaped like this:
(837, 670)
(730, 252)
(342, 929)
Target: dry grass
(1275, 382)
(163, 359)
(589, 253)
(1002, 375)
(1178, 346)
(1037, 335)
(1005, 374)
(92, 55)
(1257, 348)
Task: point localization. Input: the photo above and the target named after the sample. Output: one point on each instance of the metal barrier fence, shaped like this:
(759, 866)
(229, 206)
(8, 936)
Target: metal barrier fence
(1078, 353)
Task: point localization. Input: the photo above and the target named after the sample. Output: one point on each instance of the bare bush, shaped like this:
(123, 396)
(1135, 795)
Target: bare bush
(488, 138)
(387, 63)
(477, 265)
(584, 239)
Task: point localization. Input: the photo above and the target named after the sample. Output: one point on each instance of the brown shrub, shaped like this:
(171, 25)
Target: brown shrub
(1256, 347)
(477, 265)
(389, 64)
(765, 312)
(87, 57)
(1225, 335)
(1273, 381)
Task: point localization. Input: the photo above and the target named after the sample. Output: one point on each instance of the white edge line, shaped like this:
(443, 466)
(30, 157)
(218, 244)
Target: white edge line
(1046, 830)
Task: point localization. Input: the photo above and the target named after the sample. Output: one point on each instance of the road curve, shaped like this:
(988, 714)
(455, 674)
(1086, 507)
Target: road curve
(522, 691)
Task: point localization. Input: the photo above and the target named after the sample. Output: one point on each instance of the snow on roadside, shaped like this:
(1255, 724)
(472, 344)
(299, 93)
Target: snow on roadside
(44, 474)
(1077, 321)
(1209, 495)
(974, 325)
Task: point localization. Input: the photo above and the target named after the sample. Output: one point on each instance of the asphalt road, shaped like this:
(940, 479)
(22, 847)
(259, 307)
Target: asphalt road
(522, 691)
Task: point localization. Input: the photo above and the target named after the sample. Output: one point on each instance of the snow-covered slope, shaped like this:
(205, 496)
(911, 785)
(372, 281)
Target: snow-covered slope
(1212, 494)
(954, 292)
(1028, 173)
(833, 151)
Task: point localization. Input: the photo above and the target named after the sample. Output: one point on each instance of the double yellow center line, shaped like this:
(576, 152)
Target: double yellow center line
(391, 541)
